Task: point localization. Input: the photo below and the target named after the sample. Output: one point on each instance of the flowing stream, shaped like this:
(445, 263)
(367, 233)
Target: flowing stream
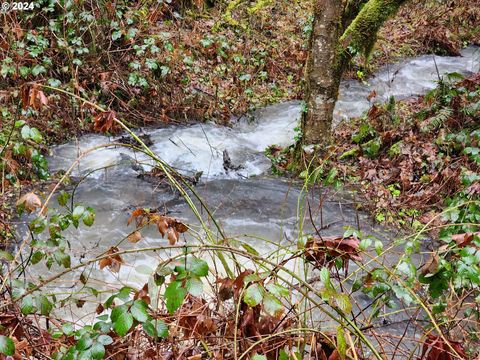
(248, 203)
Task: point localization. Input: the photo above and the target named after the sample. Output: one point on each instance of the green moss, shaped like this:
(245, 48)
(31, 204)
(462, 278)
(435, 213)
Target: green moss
(360, 36)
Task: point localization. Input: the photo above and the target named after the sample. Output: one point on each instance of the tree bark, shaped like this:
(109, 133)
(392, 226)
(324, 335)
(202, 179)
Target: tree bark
(331, 52)
(323, 74)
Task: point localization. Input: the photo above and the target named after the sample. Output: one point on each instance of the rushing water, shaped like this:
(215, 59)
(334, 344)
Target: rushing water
(248, 203)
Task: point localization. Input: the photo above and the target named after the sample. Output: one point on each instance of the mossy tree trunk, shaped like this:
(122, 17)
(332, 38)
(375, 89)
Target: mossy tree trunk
(340, 31)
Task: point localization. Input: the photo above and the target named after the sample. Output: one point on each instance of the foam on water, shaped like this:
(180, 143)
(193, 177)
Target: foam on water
(200, 147)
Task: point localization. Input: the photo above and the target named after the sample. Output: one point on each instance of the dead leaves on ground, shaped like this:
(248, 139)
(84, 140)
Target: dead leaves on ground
(166, 225)
(29, 202)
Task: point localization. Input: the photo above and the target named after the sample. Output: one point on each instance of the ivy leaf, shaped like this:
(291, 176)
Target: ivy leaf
(7, 346)
(123, 323)
(253, 295)
(174, 294)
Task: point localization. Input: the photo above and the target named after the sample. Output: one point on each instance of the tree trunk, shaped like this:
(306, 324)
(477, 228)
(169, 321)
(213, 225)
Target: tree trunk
(338, 34)
(323, 74)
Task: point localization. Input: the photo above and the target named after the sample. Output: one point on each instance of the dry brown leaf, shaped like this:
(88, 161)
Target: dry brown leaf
(172, 236)
(464, 239)
(135, 237)
(113, 262)
(431, 266)
(105, 121)
(30, 201)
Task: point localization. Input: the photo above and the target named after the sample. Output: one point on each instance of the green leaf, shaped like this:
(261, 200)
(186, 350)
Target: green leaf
(97, 351)
(63, 198)
(67, 329)
(84, 343)
(105, 340)
(341, 343)
(277, 290)
(6, 255)
(78, 212)
(35, 135)
(117, 311)
(44, 305)
(27, 306)
(62, 259)
(123, 323)
(250, 249)
(343, 303)
(144, 269)
(253, 295)
(88, 217)
(272, 305)
(37, 256)
(194, 286)
(139, 311)
(325, 276)
(149, 329)
(7, 346)
(365, 244)
(174, 294)
(197, 266)
(161, 328)
(258, 357)
(378, 247)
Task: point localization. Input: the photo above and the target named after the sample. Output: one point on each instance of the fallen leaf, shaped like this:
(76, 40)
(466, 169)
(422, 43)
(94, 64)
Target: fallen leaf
(30, 201)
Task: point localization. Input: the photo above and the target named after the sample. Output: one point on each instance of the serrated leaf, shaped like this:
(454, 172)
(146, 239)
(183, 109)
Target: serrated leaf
(7, 346)
(194, 286)
(253, 295)
(6, 255)
(174, 295)
(144, 269)
(341, 343)
(123, 323)
(258, 357)
(139, 311)
(105, 340)
(197, 266)
(277, 290)
(97, 351)
(272, 306)
(84, 343)
(343, 302)
(161, 328)
(27, 306)
(44, 305)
